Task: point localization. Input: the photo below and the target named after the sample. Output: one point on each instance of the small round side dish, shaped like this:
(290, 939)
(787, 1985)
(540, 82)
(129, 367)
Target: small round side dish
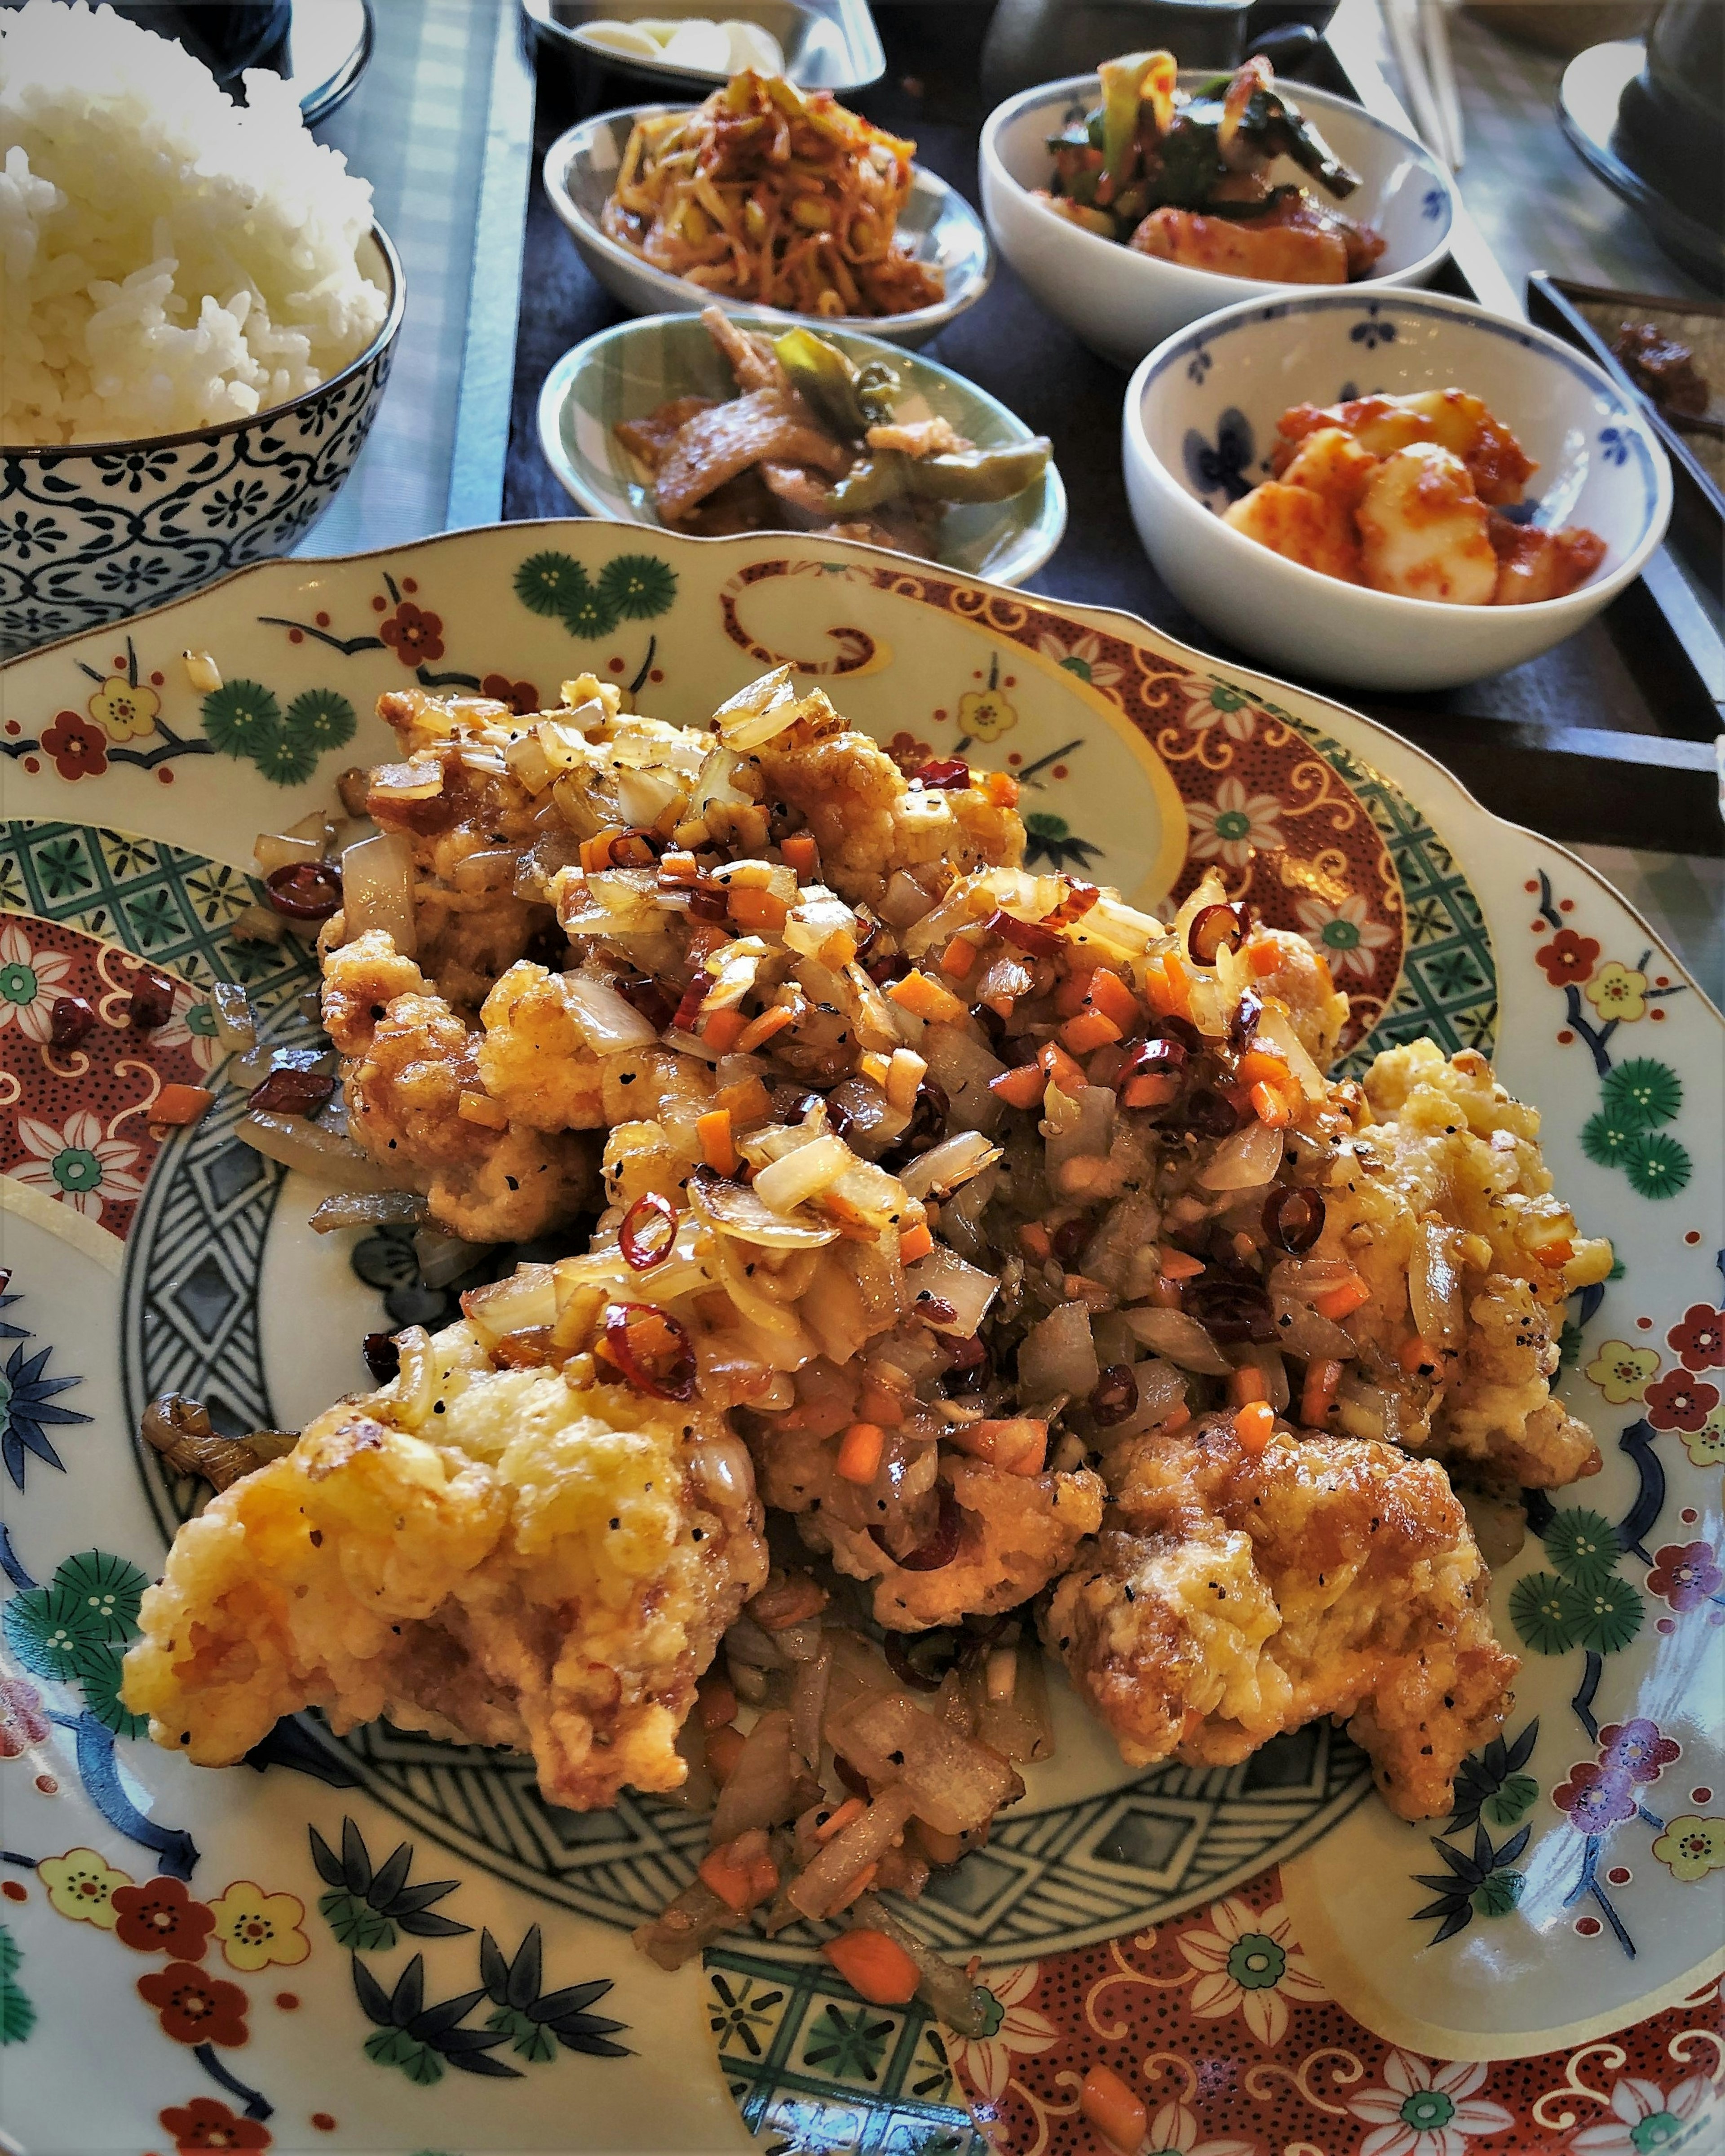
(625, 372)
(1200, 421)
(581, 169)
(1122, 303)
(93, 531)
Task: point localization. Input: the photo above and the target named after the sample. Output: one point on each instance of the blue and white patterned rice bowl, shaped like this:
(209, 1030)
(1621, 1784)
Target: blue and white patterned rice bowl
(96, 532)
(1200, 421)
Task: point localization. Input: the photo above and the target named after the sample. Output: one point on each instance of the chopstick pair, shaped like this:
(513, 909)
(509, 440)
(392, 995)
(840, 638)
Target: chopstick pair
(1419, 31)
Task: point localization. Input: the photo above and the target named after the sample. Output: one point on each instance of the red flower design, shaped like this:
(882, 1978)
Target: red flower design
(1700, 1339)
(413, 635)
(1685, 1574)
(1679, 1402)
(1636, 1748)
(1566, 958)
(520, 697)
(195, 2008)
(78, 749)
(909, 753)
(1595, 1797)
(206, 2123)
(22, 1720)
(160, 1917)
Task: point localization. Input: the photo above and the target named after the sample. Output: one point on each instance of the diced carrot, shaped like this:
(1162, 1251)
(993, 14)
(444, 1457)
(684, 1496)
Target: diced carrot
(1001, 788)
(1177, 1420)
(1179, 1264)
(1063, 1073)
(1022, 1088)
(1167, 1294)
(1110, 995)
(801, 853)
(747, 1100)
(1341, 1302)
(1417, 1354)
(835, 1823)
(1317, 1395)
(758, 909)
(1089, 1031)
(915, 1242)
(729, 1882)
(924, 997)
(716, 1700)
(1033, 1237)
(1253, 1425)
(1150, 1089)
(1556, 1254)
(877, 1968)
(185, 1104)
(724, 1747)
(596, 851)
(1168, 984)
(1256, 1063)
(705, 937)
(858, 1888)
(678, 866)
(1269, 1107)
(958, 958)
(859, 1451)
(1106, 2104)
(1262, 957)
(1016, 1444)
(720, 1030)
(1072, 992)
(713, 1130)
(881, 1403)
(761, 1029)
(1246, 1384)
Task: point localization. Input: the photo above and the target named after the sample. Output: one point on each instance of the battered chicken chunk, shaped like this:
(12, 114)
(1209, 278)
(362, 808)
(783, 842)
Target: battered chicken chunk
(485, 1553)
(1231, 1596)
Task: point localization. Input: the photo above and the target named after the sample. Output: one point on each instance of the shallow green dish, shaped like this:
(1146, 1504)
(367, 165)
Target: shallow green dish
(623, 373)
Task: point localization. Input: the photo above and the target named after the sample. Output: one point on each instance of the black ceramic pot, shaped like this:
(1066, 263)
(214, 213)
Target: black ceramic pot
(1671, 126)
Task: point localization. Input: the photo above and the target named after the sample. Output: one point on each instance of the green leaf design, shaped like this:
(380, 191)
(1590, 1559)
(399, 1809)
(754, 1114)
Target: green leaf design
(1612, 1616)
(1656, 1165)
(45, 1628)
(239, 717)
(1641, 1093)
(1512, 1799)
(546, 583)
(526, 2036)
(394, 2047)
(1581, 1546)
(110, 1588)
(637, 587)
(17, 2016)
(285, 759)
(1499, 1893)
(588, 613)
(1606, 1138)
(322, 719)
(355, 1924)
(1547, 1612)
(99, 1669)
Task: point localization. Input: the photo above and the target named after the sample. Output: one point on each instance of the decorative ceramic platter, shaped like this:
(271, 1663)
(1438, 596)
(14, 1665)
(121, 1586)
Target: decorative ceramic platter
(383, 1943)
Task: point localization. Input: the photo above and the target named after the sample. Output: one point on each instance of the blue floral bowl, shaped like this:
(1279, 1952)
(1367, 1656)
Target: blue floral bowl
(96, 532)
(1200, 421)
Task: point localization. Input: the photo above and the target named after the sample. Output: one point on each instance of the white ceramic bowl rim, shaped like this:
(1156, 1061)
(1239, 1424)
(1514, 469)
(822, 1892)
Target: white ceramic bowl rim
(1071, 89)
(561, 155)
(1655, 470)
(52, 452)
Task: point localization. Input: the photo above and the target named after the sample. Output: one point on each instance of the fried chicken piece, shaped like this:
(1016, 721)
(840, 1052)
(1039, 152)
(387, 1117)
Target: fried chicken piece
(1301, 978)
(408, 1062)
(1230, 1597)
(1444, 1207)
(485, 1554)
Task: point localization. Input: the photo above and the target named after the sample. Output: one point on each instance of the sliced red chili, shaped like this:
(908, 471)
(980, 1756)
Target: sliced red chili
(1078, 901)
(933, 1309)
(648, 1232)
(1208, 1114)
(1244, 1024)
(382, 1356)
(1294, 1219)
(937, 1547)
(1173, 1027)
(305, 890)
(651, 1349)
(69, 1020)
(1040, 941)
(292, 1093)
(1156, 1059)
(927, 1127)
(1070, 1238)
(646, 997)
(694, 996)
(1213, 928)
(707, 902)
(1115, 1395)
(637, 848)
(943, 774)
(1230, 1310)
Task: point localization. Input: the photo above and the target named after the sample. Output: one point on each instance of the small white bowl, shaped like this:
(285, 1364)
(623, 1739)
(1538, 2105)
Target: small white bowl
(581, 170)
(1200, 420)
(625, 372)
(1122, 303)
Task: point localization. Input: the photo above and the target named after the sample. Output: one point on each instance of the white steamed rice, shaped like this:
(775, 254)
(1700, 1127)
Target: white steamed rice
(169, 259)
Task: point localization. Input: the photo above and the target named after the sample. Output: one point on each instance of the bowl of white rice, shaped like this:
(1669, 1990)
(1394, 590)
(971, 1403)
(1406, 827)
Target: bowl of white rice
(197, 314)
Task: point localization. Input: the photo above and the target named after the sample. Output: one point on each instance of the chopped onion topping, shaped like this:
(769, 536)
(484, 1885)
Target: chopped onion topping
(294, 1142)
(378, 890)
(953, 1162)
(608, 1023)
(735, 1208)
(754, 714)
(1179, 1339)
(803, 1173)
(1245, 1161)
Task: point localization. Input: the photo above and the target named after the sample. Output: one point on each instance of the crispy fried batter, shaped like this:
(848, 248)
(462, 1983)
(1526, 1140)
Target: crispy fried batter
(485, 1555)
(1230, 1597)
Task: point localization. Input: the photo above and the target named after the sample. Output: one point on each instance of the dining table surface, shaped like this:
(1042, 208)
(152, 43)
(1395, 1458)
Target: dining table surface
(1610, 744)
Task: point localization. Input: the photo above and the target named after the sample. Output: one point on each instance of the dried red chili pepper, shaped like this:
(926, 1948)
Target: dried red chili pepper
(305, 890)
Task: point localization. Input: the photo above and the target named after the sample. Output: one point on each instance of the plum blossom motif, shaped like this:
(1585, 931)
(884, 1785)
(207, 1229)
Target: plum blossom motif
(1618, 991)
(161, 1917)
(1685, 1575)
(125, 711)
(1011, 2026)
(77, 1164)
(1595, 1797)
(1566, 958)
(522, 697)
(986, 713)
(1248, 1964)
(1427, 2111)
(193, 2007)
(413, 634)
(205, 2122)
(1700, 1337)
(22, 1722)
(1234, 826)
(1645, 2120)
(1621, 1371)
(82, 1885)
(909, 753)
(1691, 1847)
(1084, 658)
(1637, 1749)
(1680, 1402)
(78, 749)
(1347, 935)
(256, 1928)
(31, 983)
(1706, 1446)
